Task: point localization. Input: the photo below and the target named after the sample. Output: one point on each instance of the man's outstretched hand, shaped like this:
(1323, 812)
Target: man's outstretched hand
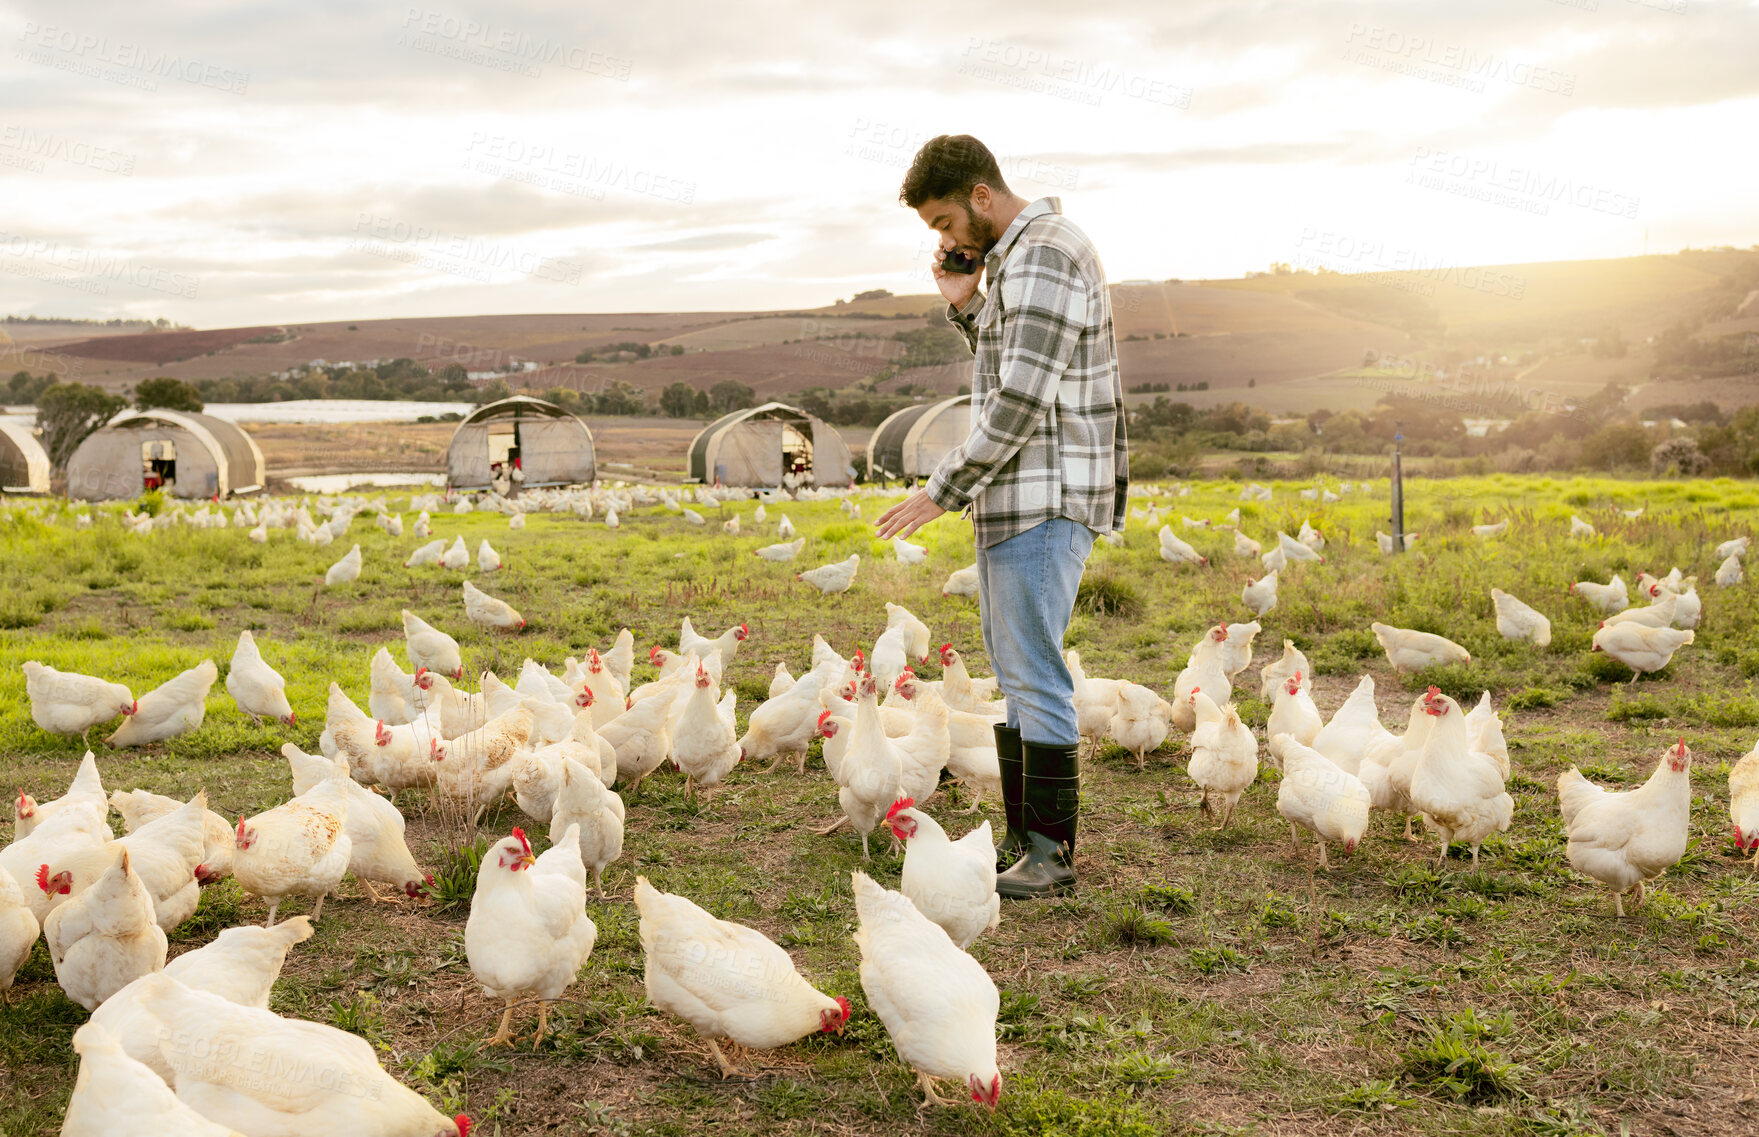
(907, 516)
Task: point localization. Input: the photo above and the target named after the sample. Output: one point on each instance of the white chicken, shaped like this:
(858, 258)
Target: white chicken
(1608, 599)
(961, 582)
(1317, 796)
(584, 803)
(528, 931)
(1495, 530)
(1205, 669)
(1293, 661)
(1409, 650)
(1516, 621)
(1224, 756)
(116, 1094)
(951, 882)
(105, 938)
(431, 648)
(241, 964)
(1294, 713)
(257, 688)
(378, 852)
(726, 980)
(785, 528)
(219, 1051)
(941, 1029)
(1625, 839)
(1353, 729)
(870, 776)
(66, 702)
(1237, 652)
(396, 757)
(487, 560)
(907, 553)
(782, 552)
(300, 848)
(1141, 723)
(1246, 547)
(1641, 648)
(166, 854)
(174, 707)
(1580, 528)
(86, 788)
(428, 554)
(1743, 806)
(704, 744)
(641, 737)
(1295, 550)
(727, 643)
(490, 612)
(393, 699)
(1458, 791)
(1175, 550)
(1388, 544)
(456, 556)
(1259, 596)
(344, 571)
(1096, 701)
(473, 770)
(832, 578)
(18, 931)
(787, 722)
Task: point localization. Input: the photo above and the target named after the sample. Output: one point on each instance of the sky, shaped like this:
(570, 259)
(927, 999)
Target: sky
(220, 164)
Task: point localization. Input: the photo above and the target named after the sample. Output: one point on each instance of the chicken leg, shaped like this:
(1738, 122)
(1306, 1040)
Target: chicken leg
(1323, 863)
(504, 1035)
(929, 1097)
(727, 1068)
(270, 923)
(318, 908)
(543, 1020)
(1294, 841)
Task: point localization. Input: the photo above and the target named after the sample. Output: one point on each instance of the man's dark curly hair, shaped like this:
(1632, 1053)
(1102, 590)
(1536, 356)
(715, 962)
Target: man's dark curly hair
(950, 166)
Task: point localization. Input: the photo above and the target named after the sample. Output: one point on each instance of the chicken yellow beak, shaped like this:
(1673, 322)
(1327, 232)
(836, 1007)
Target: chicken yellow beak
(527, 861)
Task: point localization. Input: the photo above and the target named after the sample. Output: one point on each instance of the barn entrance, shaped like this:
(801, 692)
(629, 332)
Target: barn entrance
(158, 464)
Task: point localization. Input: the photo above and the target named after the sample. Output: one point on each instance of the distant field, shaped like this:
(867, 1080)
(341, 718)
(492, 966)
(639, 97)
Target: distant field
(1200, 982)
(1265, 340)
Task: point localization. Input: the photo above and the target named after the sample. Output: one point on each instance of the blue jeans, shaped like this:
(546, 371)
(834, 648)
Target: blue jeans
(1026, 594)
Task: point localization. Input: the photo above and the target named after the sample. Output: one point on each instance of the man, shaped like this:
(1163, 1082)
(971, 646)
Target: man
(1043, 471)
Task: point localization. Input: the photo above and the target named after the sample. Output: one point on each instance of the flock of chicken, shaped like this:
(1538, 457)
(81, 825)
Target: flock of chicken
(188, 1045)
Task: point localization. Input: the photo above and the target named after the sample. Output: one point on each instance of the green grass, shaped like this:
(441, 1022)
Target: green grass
(1199, 982)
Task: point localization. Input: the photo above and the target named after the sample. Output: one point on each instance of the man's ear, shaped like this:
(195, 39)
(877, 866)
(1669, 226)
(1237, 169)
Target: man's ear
(980, 198)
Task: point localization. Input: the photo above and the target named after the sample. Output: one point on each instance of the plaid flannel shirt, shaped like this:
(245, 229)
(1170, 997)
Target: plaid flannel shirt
(1047, 405)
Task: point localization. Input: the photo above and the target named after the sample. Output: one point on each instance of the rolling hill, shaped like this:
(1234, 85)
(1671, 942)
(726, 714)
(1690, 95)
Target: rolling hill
(1284, 341)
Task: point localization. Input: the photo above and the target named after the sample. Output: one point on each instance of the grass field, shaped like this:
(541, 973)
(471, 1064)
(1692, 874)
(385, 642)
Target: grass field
(1199, 982)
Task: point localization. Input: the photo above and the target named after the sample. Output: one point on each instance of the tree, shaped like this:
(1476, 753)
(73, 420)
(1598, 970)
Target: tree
(168, 393)
(68, 412)
(677, 401)
(1678, 457)
(729, 395)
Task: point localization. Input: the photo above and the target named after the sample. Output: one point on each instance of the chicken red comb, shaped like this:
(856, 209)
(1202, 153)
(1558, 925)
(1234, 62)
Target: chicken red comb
(898, 807)
(420, 671)
(844, 1004)
(24, 803)
(43, 877)
(945, 648)
(463, 1123)
(240, 830)
(1681, 748)
(653, 653)
(1432, 692)
(520, 833)
(1297, 676)
(858, 659)
(746, 628)
(822, 716)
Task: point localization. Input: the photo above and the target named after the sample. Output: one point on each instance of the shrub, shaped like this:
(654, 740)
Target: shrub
(1678, 457)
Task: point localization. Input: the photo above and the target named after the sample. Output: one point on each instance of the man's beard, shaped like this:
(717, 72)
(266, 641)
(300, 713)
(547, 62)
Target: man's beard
(983, 231)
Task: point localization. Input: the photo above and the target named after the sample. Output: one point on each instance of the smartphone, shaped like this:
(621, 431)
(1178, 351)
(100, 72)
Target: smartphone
(962, 263)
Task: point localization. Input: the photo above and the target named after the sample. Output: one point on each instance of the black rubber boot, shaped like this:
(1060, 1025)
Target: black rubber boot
(1013, 842)
(1053, 805)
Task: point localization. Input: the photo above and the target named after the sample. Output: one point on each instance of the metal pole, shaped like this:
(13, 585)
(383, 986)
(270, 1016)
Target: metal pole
(1398, 517)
